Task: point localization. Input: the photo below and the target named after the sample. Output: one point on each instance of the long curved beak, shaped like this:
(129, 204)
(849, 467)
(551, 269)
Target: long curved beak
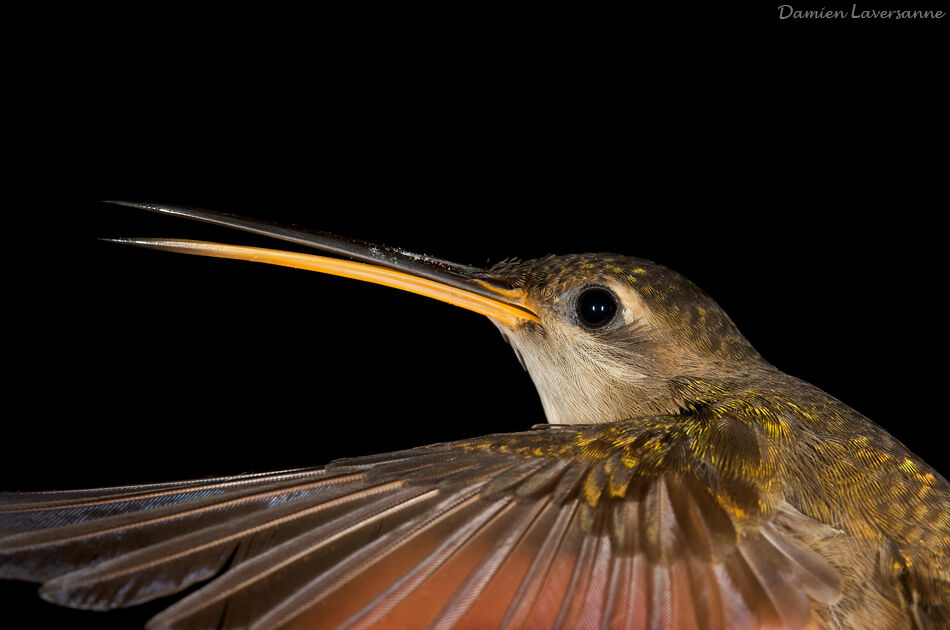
(471, 288)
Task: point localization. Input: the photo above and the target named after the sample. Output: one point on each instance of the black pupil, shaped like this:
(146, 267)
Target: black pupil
(596, 307)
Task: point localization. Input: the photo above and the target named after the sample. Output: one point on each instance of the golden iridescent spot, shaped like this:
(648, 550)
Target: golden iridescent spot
(618, 483)
(860, 441)
(629, 458)
(805, 414)
(908, 467)
(776, 428)
(594, 485)
(869, 456)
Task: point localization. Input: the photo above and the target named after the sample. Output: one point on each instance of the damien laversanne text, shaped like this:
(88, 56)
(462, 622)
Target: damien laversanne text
(787, 11)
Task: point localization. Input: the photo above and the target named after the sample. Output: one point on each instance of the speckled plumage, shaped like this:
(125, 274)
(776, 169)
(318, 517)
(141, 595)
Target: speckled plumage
(759, 438)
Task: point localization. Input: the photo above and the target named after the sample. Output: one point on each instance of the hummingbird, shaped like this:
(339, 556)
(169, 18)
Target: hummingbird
(680, 482)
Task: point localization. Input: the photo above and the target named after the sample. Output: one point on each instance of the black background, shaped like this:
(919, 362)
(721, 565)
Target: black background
(793, 171)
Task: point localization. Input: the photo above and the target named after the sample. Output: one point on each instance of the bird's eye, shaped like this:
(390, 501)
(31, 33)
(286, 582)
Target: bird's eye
(596, 307)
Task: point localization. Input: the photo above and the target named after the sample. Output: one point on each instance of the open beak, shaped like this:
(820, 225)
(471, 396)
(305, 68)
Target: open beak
(468, 287)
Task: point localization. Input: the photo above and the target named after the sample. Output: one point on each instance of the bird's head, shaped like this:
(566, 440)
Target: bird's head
(615, 335)
(604, 337)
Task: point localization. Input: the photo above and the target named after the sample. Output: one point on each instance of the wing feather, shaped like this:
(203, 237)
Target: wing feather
(172, 565)
(544, 548)
(500, 547)
(558, 528)
(346, 589)
(28, 511)
(574, 603)
(56, 537)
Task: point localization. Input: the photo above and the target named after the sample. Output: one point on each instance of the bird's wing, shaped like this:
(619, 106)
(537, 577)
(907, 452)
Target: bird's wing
(572, 527)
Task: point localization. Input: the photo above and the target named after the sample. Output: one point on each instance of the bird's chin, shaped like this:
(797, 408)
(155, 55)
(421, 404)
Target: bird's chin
(506, 334)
